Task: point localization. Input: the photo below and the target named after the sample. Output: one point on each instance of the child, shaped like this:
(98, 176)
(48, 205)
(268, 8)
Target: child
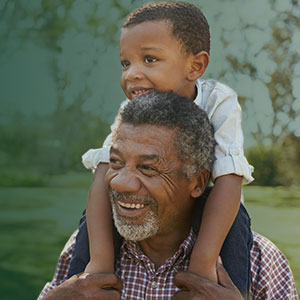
(165, 46)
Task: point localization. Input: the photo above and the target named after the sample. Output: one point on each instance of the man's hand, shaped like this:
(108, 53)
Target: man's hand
(198, 288)
(97, 286)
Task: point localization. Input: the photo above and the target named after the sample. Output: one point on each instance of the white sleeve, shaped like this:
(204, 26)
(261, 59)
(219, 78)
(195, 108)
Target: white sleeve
(93, 157)
(229, 152)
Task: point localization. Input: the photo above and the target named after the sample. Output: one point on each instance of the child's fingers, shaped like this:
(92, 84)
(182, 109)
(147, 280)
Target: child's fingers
(190, 281)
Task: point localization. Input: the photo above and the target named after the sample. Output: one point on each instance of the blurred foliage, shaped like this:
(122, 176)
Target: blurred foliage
(255, 50)
(289, 162)
(276, 165)
(259, 57)
(33, 148)
(265, 160)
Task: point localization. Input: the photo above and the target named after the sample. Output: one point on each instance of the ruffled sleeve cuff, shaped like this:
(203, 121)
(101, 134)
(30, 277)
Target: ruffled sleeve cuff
(234, 163)
(93, 157)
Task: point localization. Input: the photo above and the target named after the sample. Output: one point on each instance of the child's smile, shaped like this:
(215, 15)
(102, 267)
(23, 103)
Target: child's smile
(153, 59)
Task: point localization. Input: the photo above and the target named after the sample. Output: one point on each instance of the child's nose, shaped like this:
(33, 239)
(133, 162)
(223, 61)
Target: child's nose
(134, 73)
(125, 182)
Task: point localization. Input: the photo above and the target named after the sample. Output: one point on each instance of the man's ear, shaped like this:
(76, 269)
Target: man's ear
(199, 63)
(200, 184)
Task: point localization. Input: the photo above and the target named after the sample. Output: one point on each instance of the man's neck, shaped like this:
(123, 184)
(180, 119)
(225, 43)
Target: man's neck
(161, 247)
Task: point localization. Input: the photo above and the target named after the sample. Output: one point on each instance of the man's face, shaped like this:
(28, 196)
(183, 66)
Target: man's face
(149, 193)
(153, 59)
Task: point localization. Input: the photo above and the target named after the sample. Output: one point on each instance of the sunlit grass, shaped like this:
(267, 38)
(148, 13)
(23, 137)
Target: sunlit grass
(275, 214)
(36, 222)
(34, 225)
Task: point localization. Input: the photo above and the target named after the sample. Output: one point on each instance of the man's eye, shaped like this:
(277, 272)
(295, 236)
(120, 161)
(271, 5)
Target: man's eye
(150, 59)
(148, 170)
(125, 63)
(115, 163)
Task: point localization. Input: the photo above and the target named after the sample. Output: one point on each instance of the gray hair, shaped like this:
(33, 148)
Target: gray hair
(194, 142)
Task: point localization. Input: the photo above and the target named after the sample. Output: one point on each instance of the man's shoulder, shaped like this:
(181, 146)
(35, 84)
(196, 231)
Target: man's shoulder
(264, 253)
(262, 243)
(272, 277)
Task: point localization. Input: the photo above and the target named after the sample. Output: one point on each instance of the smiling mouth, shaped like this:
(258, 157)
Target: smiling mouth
(137, 93)
(131, 205)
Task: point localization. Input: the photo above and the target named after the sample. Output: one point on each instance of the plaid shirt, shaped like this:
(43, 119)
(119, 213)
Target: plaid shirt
(272, 278)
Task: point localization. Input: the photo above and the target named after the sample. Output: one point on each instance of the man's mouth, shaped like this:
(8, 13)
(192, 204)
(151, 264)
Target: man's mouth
(131, 205)
(139, 92)
(133, 211)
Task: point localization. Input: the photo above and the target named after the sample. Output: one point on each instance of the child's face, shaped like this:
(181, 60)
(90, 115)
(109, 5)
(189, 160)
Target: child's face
(153, 59)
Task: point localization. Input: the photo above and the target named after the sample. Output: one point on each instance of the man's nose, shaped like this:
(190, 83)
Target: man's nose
(125, 182)
(133, 73)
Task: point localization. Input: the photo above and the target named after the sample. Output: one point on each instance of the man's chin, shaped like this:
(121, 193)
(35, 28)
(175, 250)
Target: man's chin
(135, 225)
(136, 232)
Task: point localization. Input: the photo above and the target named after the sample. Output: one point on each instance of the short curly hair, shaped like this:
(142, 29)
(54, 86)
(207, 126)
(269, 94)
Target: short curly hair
(194, 142)
(189, 25)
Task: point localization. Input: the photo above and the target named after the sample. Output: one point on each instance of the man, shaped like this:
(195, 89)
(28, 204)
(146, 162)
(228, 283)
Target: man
(159, 167)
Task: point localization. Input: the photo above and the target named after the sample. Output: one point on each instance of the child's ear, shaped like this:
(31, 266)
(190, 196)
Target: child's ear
(200, 183)
(199, 63)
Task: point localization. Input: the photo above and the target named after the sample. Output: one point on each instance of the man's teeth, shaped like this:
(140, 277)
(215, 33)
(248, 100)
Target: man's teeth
(131, 205)
(139, 93)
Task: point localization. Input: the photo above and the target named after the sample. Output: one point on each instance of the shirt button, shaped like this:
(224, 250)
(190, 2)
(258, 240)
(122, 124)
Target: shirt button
(154, 284)
(235, 152)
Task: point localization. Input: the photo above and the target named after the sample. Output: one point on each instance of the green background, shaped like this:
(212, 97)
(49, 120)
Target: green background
(59, 83)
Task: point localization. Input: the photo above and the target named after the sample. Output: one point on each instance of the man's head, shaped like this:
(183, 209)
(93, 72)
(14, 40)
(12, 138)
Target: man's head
(164, 46)
(162, 152)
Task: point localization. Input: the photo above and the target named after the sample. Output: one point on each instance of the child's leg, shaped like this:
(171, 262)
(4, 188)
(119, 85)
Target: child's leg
(219, 213)
(81, 252)
(97, 251)
(235, 252)
(100, 225)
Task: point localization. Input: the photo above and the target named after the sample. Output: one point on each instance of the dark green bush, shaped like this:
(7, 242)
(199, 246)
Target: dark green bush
(265, 160)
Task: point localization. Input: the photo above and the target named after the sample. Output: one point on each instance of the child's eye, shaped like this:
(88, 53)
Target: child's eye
(125, 64)
(150, 59)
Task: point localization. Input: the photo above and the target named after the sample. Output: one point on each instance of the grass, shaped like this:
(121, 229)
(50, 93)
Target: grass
(35, 223)
(275, 214)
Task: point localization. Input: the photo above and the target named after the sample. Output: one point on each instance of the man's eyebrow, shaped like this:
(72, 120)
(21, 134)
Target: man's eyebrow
(114, 150)
(154, 157)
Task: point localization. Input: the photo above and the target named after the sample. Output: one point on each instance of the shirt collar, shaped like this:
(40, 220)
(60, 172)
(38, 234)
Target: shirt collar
(198, 98)
(133, 251)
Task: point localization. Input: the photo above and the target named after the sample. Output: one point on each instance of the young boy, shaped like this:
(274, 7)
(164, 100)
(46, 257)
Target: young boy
(165, 46)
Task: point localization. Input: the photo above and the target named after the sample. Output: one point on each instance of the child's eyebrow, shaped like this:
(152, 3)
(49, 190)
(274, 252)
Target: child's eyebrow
(152, 48)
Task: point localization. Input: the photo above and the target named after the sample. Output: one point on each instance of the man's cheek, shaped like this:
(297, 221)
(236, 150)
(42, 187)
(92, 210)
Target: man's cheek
(110, 174)
(169, 186)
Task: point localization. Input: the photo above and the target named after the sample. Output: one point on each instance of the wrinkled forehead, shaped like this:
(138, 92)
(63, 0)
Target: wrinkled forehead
(154, 137)
(144, 133)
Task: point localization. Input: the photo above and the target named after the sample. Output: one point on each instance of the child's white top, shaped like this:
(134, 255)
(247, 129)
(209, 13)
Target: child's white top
(224, 112)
